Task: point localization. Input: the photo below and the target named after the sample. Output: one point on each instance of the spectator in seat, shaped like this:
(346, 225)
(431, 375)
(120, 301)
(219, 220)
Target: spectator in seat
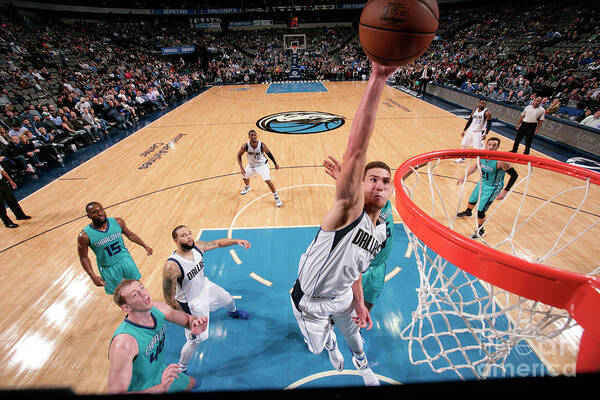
(592, 120)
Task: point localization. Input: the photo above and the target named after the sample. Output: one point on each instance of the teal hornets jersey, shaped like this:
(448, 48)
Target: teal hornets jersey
(107, 245)
(147, 365)
(490, 174)
(386, 215)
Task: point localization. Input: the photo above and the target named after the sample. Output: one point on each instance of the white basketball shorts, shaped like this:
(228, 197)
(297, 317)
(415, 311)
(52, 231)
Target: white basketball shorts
(212, 298)
(261, 169)
(314, 319)
(473, 139)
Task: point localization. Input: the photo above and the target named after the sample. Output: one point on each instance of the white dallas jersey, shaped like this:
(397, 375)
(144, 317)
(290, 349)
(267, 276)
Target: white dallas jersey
(191, 282)
(335, 259)
(479, 122)
(256, 156)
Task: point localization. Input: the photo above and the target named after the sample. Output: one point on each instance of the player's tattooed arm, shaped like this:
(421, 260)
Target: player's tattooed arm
(205, 246)
(171, 273)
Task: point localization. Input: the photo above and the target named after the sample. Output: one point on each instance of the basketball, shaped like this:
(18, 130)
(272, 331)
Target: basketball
(397, 33)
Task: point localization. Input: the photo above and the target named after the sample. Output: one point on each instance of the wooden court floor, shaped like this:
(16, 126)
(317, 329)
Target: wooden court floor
(182, 169)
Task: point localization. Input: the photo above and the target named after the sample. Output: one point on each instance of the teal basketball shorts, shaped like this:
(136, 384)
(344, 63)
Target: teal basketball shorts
(372, 281)
(115, 273)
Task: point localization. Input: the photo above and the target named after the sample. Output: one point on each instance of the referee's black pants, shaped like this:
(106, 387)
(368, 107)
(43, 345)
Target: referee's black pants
(7, 198)
(526, 130)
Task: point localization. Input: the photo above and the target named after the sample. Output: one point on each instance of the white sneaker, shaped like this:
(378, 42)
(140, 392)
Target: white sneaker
(367, 373)
(335, 355)
(278, 202)
(460, 160)
(245, 190)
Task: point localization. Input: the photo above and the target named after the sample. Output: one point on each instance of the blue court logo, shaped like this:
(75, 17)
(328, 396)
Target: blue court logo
(300, 122)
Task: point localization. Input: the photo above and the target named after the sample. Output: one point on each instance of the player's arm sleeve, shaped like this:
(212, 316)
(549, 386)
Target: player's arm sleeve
(513, 178)
(469, 122)
(488, 126)
(270, 155)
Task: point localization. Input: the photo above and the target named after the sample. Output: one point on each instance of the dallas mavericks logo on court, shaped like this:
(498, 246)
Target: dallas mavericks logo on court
(300, 122)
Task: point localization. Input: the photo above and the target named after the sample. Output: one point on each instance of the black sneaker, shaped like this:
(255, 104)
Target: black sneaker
(480, 232)
(466, 213)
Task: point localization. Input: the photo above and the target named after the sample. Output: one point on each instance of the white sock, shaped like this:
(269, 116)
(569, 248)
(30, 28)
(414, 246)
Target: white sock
(231, 307)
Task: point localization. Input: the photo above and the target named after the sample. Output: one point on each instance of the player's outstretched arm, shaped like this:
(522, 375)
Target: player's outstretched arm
(349, 199)
(196, 324)
(473, 168)
(214, 244)
(133, 237)
(171, 273)
(83, 241)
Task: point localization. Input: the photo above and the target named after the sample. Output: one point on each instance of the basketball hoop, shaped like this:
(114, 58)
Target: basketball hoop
(478, 300)
(294, 49)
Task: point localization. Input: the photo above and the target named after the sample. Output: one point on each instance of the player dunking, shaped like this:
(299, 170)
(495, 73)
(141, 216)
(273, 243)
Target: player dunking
(329, 284)
(374, 278)
(105, 237)
(257, 164)
(186, 288)
(492, 180)
(476, 129)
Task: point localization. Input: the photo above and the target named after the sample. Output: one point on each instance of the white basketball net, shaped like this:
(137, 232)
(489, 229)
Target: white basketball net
(461, 322)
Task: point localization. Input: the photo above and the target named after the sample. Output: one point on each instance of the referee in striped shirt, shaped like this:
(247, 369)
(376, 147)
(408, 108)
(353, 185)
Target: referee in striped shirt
(529, 124)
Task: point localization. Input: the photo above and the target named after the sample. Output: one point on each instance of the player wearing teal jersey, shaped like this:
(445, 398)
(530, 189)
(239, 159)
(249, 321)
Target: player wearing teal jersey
(135, 350)
(374, 277)
(490, 186)
(105, 237)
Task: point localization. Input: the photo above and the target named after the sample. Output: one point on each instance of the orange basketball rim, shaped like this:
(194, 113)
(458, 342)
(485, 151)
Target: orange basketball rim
(578, 294)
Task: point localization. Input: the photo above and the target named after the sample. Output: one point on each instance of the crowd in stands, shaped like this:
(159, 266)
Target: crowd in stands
(512, 55)
(66, 86)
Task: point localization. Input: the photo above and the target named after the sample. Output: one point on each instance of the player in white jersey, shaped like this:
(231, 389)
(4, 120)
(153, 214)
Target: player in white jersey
(329, 284)
(257, 164)
(186, 288)
(476, 129)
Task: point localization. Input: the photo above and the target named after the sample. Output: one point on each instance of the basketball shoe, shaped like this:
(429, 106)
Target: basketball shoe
(239, 314)
(362, 365)
(480, 232)
(466, 213)
(245, 190)
(460, 160)
(335, 355)
(278, 202)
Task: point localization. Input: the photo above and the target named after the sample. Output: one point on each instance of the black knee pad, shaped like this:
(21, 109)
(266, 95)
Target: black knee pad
(480, 214)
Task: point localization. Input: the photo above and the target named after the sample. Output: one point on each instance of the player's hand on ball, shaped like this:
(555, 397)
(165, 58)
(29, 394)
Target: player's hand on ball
(169, 375)
(198, 325)
(381, 70)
